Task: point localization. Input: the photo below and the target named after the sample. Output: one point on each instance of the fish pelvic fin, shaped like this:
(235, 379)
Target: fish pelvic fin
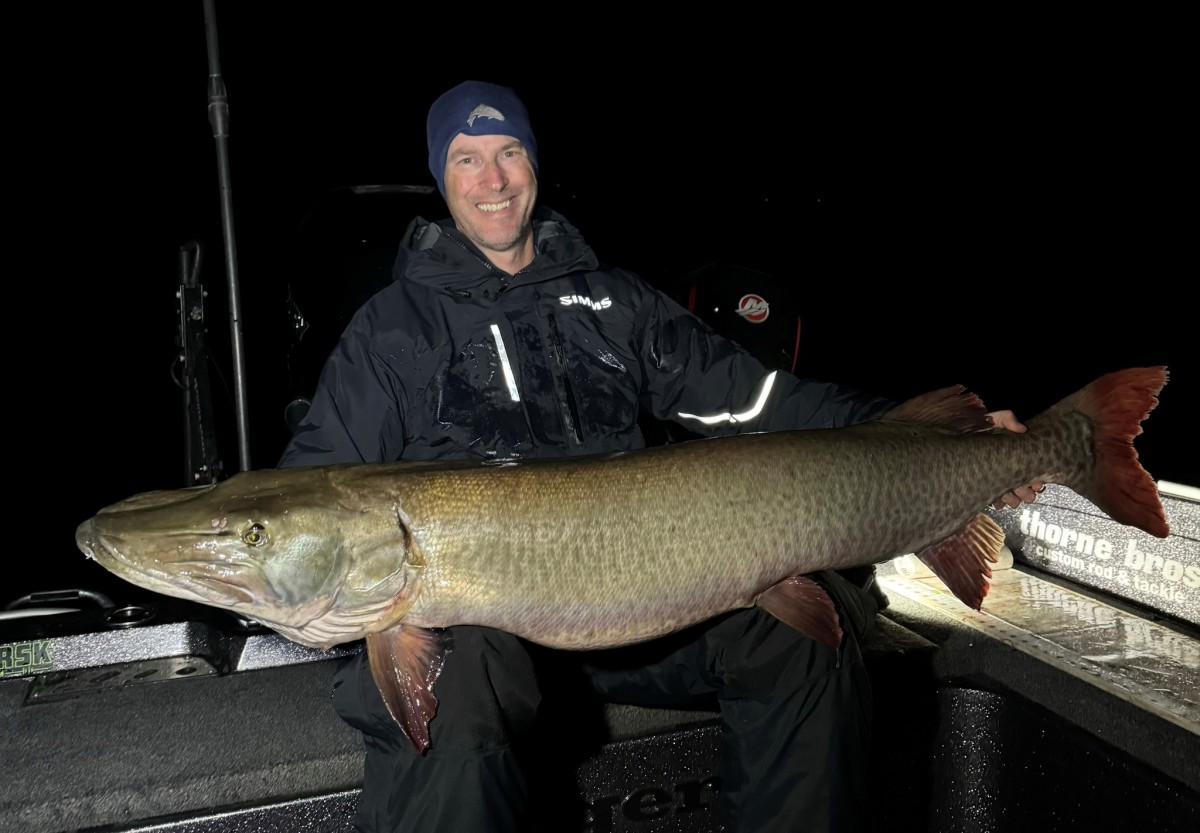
(804, 604)
(405, 663)
(1116, 403)
(953, 407)
(963, 560)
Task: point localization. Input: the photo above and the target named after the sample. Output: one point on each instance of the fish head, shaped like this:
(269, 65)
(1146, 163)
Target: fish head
(285, 547)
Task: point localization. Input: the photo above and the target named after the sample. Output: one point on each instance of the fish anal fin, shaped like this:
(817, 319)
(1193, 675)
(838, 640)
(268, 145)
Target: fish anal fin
(953, 407)
(963, 560)
(805, 605)
(405, 663)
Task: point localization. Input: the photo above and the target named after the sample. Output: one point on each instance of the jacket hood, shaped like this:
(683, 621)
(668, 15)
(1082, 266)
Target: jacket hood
(437, 254)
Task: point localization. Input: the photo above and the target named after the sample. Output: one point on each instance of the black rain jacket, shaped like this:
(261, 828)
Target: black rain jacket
(455, 359)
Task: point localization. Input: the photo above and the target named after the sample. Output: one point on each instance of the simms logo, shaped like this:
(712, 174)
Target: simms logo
(754, 308)
(568, 300)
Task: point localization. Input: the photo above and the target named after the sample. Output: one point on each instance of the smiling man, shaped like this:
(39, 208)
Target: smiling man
(486, 169)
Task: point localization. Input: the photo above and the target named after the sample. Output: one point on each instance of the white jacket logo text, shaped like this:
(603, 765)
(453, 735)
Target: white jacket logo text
(568, 300)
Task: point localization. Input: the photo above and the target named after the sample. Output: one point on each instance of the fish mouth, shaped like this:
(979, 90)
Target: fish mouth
(196, 580)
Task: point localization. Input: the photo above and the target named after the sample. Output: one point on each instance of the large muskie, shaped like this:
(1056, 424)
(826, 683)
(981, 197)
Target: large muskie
(603, 551)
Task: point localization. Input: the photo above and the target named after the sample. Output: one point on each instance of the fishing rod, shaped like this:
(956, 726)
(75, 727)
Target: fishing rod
(201, 463)
(218, 116)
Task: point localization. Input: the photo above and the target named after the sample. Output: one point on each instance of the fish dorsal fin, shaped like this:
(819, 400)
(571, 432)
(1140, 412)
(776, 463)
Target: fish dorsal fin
(954, 407)
(805, 605)
(405, 663)
(962, 560)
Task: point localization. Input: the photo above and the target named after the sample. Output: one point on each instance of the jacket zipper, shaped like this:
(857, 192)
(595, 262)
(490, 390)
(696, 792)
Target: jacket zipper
(566, 399)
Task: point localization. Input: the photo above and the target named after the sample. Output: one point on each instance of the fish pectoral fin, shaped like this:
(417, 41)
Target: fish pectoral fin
(962, 560)
(805, 605)
(405, 663)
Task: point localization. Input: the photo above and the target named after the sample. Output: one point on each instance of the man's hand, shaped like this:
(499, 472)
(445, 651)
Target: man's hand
(1022, 494)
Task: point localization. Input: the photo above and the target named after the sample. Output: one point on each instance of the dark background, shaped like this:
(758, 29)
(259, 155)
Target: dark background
(1011, 211)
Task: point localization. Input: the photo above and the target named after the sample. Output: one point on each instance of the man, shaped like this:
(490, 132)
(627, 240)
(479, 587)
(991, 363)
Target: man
(504, 337)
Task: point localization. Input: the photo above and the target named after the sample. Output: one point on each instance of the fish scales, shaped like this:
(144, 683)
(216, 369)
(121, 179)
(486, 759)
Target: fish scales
(576, 552)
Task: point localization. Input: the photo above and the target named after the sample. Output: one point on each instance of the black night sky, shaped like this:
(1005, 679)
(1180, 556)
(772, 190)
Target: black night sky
(1012, 216)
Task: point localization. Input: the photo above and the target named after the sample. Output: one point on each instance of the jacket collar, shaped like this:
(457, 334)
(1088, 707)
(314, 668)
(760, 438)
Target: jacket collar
(437, 254)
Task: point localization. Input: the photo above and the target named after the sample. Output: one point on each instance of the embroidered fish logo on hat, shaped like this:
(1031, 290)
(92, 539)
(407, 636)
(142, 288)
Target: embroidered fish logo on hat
(483, 111)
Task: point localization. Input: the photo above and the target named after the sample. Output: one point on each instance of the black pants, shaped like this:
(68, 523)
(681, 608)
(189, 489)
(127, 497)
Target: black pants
(795, 727)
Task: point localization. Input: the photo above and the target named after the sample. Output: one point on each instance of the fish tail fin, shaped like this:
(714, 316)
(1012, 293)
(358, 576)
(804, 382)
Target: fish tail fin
(1116, 403)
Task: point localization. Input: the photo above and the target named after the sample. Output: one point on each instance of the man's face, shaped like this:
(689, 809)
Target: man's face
(490, 190)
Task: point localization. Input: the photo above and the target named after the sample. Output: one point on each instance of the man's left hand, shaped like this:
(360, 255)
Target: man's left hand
(1022, 494)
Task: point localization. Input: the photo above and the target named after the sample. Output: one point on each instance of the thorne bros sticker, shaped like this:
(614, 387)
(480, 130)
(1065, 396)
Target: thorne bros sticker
(1092, 549)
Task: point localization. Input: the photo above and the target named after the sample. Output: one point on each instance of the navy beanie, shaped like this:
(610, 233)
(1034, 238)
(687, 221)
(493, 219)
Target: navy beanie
(477, 109)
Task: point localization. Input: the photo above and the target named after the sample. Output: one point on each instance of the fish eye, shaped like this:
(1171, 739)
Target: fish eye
(255, 535)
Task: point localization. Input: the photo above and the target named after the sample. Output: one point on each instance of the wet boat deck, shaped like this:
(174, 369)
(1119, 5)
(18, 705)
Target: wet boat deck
(1084, 645)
